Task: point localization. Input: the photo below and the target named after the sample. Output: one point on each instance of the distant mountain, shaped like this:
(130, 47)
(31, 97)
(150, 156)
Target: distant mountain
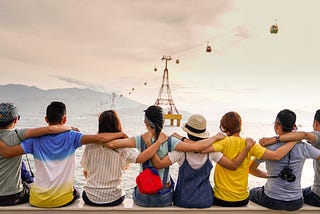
(78, 101)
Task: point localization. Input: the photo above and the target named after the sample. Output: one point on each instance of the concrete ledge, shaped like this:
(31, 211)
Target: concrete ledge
(129, 206)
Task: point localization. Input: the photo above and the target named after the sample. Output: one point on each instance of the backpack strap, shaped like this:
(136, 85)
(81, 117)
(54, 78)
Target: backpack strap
(25, 153)
(166, 170)
(142, 148)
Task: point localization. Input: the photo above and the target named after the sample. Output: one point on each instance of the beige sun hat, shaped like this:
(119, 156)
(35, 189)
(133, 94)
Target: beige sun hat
(196, 126)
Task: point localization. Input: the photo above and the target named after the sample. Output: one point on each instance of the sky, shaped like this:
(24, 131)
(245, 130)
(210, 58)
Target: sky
(113, 46)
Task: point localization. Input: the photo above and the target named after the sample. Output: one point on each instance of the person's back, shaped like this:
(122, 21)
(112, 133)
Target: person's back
(282, 190)
(103, 167)
(232, 185)
(10, 179)
(279, 188)
(54, 157)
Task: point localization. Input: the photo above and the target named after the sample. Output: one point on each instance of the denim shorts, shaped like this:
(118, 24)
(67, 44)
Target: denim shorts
(153, 200)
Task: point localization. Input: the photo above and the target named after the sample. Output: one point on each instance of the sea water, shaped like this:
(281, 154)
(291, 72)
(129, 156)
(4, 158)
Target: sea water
(134, 125)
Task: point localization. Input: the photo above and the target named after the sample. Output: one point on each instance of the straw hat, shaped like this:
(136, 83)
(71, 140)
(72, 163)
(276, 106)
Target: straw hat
(196, 126)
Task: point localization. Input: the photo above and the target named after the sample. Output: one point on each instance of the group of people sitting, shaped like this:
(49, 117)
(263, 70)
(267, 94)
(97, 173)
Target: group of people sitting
(107, 154)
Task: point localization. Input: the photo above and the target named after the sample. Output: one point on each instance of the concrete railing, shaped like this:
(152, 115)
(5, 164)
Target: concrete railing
(129, 207)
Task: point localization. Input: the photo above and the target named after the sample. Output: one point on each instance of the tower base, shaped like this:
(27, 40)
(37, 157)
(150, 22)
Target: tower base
(173, 117)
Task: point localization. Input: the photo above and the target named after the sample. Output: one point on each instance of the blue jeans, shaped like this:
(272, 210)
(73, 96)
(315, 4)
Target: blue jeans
(310, 197)
(258, 196)
(153, 200)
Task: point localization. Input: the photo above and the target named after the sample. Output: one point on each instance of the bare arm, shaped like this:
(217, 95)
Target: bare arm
(199, 145)
(52, 129)
(121, 143)
(152, 149)
(237, 161)
(280, 152)
(254, 170)
(102, 137)
(10, 151)
(292, 136)
(161, 163)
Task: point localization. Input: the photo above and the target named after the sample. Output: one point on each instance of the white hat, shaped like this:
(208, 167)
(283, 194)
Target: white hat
(196, 126)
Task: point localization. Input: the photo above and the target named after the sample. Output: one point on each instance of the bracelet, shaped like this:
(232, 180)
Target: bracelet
(183, 138)
(277, 138)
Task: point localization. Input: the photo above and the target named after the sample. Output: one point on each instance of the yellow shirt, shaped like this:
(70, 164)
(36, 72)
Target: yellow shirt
(232, 185)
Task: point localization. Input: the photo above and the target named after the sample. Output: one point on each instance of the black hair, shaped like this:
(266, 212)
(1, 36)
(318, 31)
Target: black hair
(194, 138)
(155, 115)
(109, 121)
(317, 116)
(55, 112)
(287, 119)
(5, 124)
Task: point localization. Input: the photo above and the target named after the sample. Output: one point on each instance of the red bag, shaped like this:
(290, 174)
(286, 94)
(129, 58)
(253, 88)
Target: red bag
(149, 181)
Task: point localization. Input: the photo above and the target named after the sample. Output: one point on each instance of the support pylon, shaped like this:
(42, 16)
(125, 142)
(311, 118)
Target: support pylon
(165, 100)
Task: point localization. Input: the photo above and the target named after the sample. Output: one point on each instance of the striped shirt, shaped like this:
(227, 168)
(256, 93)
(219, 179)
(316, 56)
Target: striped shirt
(104, 168)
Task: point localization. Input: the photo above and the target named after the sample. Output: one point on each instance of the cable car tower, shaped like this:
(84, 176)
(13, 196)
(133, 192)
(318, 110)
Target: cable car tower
(165, 100)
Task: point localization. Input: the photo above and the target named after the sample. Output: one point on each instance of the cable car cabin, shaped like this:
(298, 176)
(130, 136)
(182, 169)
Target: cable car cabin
(177, 61)
(208, 49)
(274, 29)
(155, 69)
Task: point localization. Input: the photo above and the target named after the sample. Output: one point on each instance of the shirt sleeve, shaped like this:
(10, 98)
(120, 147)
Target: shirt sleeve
(215, 156)
(174, 143)
(27, 146)
(311, 152)
(176, 156)
(257, 151)
(131, 154)
(21, 134)
(317, 142)
(77, 139)
(219, 145)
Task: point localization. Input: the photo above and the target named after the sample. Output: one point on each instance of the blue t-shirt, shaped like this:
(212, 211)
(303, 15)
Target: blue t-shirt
(162, 151)
(54, 157)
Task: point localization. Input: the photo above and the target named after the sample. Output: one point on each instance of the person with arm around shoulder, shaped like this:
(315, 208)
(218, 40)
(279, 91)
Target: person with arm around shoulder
(54, 157)
(193, 188)
(104, 167)
(311, 194)
(13, 190)
(231, 186)
(282, 190)
(151, 142)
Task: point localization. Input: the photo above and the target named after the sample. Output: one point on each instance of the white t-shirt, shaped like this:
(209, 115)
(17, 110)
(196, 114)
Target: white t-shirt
(196, 160)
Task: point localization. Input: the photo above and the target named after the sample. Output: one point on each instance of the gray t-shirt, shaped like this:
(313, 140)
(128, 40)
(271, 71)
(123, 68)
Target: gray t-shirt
(316, 165)
(10, 168)
(280, 189)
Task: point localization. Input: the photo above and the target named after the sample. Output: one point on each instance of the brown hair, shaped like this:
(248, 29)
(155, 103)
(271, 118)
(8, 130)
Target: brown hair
(109, 121)
(231, 123)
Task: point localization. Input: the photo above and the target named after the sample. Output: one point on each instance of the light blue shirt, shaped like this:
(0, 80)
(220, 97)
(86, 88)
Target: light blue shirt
(162, 151)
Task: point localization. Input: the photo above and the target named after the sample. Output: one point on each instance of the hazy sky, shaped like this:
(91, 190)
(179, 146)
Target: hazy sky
(113, 46)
